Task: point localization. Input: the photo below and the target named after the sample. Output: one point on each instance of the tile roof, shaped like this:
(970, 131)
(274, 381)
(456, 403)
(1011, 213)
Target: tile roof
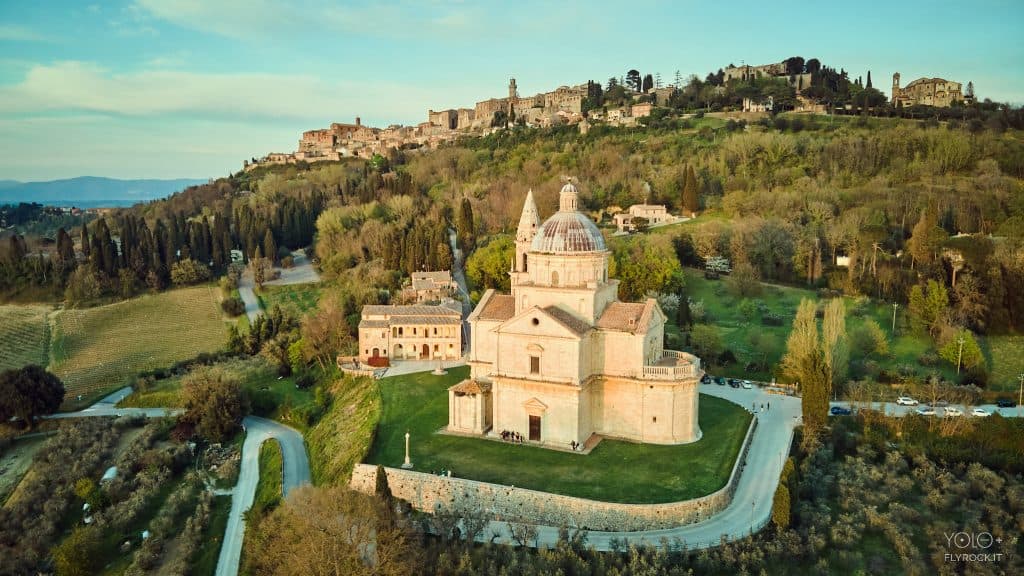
(431, 280)
(568, 320)
(471, 387)
(498, 307)
(414, 310)
(627, 316)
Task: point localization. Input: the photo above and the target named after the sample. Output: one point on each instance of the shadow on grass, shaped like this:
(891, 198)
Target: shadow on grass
(616, 471)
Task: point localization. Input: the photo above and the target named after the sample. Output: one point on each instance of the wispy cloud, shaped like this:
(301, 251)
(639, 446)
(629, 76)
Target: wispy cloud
(22, 34)
(72, 86)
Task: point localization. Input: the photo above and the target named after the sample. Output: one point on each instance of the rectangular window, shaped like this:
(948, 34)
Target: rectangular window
(414, 331)
(534, 364)
(435, 330)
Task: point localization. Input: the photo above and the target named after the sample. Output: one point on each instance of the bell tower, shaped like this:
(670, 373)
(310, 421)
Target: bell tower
(529, 222)
(895, 86)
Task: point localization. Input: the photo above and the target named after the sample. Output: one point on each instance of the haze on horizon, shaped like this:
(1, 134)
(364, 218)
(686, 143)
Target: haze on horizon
(186, 88)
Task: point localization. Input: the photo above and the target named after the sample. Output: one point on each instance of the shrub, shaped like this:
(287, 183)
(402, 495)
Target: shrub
(189, 271)
(781, 507)
(233, 306)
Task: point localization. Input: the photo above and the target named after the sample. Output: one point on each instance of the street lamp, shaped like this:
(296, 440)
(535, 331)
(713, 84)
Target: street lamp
(407, 464)
(894, 307)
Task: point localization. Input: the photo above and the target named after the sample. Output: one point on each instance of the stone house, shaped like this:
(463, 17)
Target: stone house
(432, 286)
(654, 213)
(422, 332)
(926, 92)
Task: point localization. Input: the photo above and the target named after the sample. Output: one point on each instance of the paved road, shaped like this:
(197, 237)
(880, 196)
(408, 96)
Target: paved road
(893, 409)
(301, 272)
(296, 473)
(752, 503)
(107, 406)
(246, 293)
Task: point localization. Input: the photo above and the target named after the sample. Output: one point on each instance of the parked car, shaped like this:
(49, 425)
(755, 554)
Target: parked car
(734, 383)
(1005, 403)
(747, 385)
(705, 379)
(906, 401)
(840, 411)
(952, 411)
(980, 412)
(926, 411)
(721, 381)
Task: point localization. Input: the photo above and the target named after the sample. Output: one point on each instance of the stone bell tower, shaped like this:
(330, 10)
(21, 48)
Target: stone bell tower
(529, 222)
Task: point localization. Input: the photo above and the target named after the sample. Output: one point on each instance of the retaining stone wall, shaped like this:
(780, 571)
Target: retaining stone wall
(428, 492)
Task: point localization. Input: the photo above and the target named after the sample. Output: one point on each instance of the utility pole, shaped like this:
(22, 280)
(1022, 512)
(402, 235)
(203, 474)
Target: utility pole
(960, 353)
(894, 307)
(1020, 393)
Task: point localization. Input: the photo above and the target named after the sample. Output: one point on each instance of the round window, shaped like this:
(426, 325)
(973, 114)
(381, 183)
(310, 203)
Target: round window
(535, 321)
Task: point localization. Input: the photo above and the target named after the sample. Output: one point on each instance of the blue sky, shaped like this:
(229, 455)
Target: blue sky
(189, 88)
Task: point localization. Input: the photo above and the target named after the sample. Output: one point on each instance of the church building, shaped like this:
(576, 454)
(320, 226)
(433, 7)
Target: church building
(560, 360)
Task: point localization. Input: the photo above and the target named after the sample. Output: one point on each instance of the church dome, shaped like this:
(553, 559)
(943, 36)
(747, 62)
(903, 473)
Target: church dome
(567, 230)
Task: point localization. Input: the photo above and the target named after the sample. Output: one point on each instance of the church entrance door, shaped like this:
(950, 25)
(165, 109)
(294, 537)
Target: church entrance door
(425, 352)
(534, 428)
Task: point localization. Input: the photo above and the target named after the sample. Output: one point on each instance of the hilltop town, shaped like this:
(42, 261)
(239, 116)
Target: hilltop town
(810, 85)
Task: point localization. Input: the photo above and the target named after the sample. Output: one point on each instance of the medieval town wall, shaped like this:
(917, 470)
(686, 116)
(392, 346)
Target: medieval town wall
(430, 492)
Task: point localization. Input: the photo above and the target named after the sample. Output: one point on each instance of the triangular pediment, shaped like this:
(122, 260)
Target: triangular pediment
(540, 322)
(535, 407)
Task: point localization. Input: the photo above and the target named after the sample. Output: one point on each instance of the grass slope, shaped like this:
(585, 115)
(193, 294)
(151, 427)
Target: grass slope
(297, 298)
(24, 335)
(615, 471)
(206, 559)
(344, 434)
(723, 313)
(269, 489)
(96, 349)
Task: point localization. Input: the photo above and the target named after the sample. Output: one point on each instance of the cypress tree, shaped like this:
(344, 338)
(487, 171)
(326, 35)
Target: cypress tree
(84, 235)
(269, 246)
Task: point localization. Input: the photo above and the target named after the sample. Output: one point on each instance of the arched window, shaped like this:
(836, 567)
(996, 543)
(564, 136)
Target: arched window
(554, 278)
(524, 262)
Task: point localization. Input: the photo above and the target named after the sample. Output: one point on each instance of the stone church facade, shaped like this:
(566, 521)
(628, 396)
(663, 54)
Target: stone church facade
(561, 361)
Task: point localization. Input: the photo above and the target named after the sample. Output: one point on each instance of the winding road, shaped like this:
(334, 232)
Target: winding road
(749, 510)
(296, 473)
(258, 430)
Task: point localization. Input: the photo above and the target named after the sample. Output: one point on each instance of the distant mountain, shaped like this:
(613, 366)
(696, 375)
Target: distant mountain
(88, 191)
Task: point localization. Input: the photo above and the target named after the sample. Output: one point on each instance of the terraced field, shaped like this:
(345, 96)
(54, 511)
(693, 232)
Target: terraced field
(96, 350)
(24, 336)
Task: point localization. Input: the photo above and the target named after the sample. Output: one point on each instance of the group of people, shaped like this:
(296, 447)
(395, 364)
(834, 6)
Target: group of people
(447, 473)
(509, 436)
(764, 406)
(576, 446)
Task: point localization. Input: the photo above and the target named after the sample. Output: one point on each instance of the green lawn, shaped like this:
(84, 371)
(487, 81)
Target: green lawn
(297, 298)
(615, 471)
(724, 313)
(205, 563)
(271, 396)
(269, 488)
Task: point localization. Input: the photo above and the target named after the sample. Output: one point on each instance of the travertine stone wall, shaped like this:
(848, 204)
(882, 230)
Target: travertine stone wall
(428, 492)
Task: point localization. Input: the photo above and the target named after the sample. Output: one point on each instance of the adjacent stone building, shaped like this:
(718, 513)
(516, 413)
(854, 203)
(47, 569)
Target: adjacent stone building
(654, 213)
(422, 332)
(926, 92)
(432, 286)
(560, 360)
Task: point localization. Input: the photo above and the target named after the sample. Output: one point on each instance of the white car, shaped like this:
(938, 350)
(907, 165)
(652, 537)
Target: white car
(980, 412)
(952, 411)
(906, 401)
(926, 411)
(746, 385)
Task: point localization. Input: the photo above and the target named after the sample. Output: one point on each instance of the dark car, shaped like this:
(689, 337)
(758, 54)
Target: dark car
(734, 383)
(720, 381)
(705, 379)
(840, 411)
(1005, 403)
